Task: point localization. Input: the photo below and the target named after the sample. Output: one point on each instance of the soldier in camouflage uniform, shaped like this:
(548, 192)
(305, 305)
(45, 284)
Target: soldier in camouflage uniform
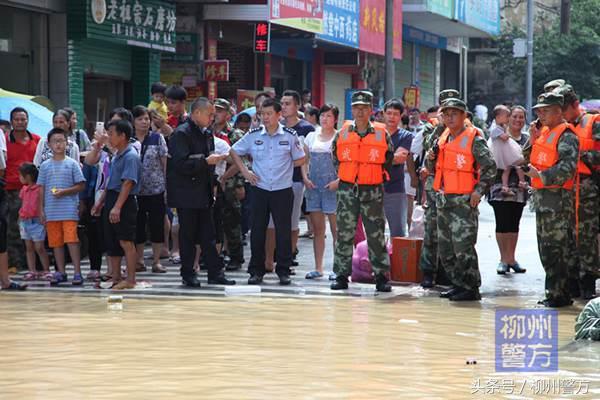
(429, 262)
(457, 213)
(585, 270)
(365, 200)
(552, 198)
(233, 189)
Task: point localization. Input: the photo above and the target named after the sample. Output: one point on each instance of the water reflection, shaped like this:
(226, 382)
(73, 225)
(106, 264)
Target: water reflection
(72, 347)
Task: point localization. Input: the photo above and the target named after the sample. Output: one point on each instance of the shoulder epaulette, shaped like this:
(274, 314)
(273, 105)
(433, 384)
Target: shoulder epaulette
(290, 130)
(257, 129)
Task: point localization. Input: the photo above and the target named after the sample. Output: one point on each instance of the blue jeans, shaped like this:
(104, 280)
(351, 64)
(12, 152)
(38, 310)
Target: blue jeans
(395, 207)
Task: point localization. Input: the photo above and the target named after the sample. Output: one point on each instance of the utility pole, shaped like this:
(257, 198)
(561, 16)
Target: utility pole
(565, 17)
(389, 50)
(529, 89)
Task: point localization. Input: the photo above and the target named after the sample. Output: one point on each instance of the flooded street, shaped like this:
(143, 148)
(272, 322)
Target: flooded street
(283, 344)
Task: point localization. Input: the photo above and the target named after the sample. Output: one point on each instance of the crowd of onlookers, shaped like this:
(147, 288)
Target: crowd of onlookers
(110, 186)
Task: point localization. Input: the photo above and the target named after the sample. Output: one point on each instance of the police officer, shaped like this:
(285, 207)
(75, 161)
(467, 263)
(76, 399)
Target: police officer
(275, 151)
(429, 262)
(362, 154)
(190, 181)
(587, 128)
(232, 189)
(464, 169)
(553, 164)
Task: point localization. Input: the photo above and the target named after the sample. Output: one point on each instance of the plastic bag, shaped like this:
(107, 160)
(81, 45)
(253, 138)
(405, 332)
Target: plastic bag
(587, 325)
(417, 226)
(362, 271)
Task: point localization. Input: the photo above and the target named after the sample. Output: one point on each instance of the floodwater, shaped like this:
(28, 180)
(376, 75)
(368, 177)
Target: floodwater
(63, 346)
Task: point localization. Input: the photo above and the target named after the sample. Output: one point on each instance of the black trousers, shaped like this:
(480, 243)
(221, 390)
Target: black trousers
(95, 233)
(278, 203)
(196, 226)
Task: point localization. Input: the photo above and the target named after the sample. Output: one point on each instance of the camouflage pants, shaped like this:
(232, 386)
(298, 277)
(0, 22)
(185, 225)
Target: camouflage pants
(368, 202)
(457, 225)
(232, 225)
(429, 254)
(553, 245)
(16, 248)
(584, 259)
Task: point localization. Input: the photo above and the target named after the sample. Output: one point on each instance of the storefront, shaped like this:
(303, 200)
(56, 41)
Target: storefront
(32, 36)
(114, 53)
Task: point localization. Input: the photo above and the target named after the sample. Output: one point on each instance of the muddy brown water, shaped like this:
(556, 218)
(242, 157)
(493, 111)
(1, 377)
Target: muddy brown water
(63, 346)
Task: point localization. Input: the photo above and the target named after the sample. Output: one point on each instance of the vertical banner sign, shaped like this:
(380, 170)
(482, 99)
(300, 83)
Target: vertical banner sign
(211, 55)
(340, 22)
(305, 15)
(372, 27)
(262, 37)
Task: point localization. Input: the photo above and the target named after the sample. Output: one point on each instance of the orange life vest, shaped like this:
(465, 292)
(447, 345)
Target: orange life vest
(361, 159)
(586, 140)
(544, 154)
(455, 170)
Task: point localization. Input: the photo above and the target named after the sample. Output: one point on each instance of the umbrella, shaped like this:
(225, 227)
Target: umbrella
(46, 102)
(591, 105)
(251, 111)
(40, 118)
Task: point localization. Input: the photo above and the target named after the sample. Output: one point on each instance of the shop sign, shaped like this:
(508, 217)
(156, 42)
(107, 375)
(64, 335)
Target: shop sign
(441, 7)
(216, 70)
(481, 14)
(305, 15)
(187, 49)
(144, 23)
(372, 27)
(262, 37)
(412, 97)
(245, 98)
(340, 22)
(425, 38)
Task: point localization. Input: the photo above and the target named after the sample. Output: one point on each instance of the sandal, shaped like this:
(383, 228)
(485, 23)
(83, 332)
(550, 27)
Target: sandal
(176, 259)
(15, 286)
(31, 276)
(314, 275)
(158, 269)
(58, 277)
(140, 267)
(123, 285)
(77, 280)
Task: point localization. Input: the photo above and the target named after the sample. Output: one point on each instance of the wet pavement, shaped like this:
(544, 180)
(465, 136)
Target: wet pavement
(296, 342)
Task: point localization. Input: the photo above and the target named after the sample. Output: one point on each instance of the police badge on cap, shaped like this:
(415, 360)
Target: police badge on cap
(362, 97)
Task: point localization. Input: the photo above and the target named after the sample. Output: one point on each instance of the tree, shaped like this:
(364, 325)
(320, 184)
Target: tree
(574, 57)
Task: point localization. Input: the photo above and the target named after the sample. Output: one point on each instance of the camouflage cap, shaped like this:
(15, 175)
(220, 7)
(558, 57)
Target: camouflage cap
(448, 94)
(454, 103)
(222, 103)
(362, 97)
(568, 93)
(550, 86)
(549, 99)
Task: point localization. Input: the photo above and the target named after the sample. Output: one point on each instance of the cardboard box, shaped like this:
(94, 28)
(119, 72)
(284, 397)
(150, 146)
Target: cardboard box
(406, 253)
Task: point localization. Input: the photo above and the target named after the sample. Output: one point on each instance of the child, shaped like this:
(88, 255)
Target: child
(507, 152)
(60, 181)
(119, 212)
(32, 230)
(158, 90)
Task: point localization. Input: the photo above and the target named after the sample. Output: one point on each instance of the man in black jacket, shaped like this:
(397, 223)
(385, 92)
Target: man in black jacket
(190, 174)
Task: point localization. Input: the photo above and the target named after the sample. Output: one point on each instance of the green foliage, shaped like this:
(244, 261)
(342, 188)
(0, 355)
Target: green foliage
(574, 57)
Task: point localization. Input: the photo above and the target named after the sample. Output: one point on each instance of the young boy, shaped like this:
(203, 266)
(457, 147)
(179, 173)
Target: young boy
(60, 181)
(158, 90)
(120, 208)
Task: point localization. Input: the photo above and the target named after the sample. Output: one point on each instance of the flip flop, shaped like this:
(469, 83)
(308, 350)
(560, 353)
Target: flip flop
(15, 286)
(314, 275)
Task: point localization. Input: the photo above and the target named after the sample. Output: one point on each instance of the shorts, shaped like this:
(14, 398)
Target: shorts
(61, 232)
(151, 211)
(410, 191)
(321, 200)
(32, 229)
(298, 188)
(125, 229)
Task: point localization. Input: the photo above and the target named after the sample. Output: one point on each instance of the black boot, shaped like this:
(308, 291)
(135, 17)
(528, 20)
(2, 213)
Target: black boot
(556, 302)
(442, 277)
(381, 284)
(466, 295)
(220, 280)
(427, 281)
(451, 292)
(588, 287)
(341, 283)
(191, 281)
